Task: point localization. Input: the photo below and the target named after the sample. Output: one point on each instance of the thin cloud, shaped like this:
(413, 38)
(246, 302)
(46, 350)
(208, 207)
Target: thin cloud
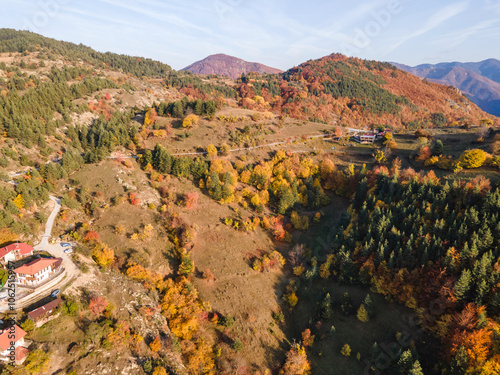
(458, 37)
(436, 20)
(164, 17)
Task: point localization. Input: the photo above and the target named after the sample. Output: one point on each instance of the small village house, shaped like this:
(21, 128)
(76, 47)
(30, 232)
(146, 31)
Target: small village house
(37, 272)
(19, 348)
(15, 251)
(44, 313)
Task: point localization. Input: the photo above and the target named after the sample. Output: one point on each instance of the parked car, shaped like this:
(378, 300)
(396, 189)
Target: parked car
(68, 251)
(65, 244)
(55, 293)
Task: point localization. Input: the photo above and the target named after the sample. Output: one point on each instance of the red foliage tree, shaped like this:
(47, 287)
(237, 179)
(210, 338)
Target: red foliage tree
(132, 197)
(91, 236)
(97, 305)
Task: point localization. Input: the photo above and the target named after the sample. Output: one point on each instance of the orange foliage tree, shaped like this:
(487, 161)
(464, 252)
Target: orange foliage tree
(155, 345)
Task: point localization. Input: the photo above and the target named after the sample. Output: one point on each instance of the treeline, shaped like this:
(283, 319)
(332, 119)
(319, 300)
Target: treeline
(183, 80)
(269, 85)
(179, 108)
(25, 41)
(102, 136)
(29, 117)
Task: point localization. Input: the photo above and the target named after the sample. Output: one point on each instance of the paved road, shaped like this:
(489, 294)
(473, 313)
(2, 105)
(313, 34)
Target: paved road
(56, 249)
(50, 223)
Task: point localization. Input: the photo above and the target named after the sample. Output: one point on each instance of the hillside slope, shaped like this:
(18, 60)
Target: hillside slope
(480, 81)
(230, 66)
(354, 92)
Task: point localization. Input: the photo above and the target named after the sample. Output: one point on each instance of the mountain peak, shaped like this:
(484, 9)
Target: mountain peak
(226, 65)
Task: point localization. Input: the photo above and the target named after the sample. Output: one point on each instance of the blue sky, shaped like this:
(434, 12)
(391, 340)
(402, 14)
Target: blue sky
(278, 33)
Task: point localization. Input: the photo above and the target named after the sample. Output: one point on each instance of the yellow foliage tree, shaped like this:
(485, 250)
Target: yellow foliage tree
(189, 121)
(38, 361)
(472, 158)
(19, 201)
(363, 314)
(150, 117)
(212, 151)
(6, 236)
(103, 255)
(160, 371)
(346, 350)
(181, 306)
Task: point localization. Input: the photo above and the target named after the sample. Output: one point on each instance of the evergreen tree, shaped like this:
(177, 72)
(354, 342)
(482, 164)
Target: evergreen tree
(346, 303)
(214, 186)
(326, 307)
(463, 285)
(368, 303)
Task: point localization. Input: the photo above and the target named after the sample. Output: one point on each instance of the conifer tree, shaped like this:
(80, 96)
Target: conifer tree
(363, 314)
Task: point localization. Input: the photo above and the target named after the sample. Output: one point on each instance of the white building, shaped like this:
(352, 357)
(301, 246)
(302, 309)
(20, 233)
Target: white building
(15, 252)
(12, 345)
(37, 272)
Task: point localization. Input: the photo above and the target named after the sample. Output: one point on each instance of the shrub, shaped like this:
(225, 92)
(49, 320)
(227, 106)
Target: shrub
(228, 321)
(191, 199)
(472, 158)
(237, 345)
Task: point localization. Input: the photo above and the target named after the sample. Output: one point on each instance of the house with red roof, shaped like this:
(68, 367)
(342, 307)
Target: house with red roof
(34, 273)
(44, 313)
(15, 252)
(13, 347)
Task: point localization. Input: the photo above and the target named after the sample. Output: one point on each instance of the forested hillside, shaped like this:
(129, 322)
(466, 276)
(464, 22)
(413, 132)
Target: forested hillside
(357, 92)
(25, 41)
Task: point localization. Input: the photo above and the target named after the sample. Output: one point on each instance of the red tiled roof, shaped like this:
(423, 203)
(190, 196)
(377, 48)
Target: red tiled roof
(44, 309)
(5, 340)
(21, 354)
(23, 248)
(37, 265)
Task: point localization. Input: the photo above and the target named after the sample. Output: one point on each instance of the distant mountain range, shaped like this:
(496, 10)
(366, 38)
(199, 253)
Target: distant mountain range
(228, 66)
(480, 81)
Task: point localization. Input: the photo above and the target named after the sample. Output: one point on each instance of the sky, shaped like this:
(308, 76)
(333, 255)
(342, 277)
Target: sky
(278, 33)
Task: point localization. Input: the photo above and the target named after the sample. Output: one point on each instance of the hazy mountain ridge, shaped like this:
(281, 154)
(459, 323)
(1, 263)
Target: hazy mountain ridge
(480, 81)
(229, 66)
